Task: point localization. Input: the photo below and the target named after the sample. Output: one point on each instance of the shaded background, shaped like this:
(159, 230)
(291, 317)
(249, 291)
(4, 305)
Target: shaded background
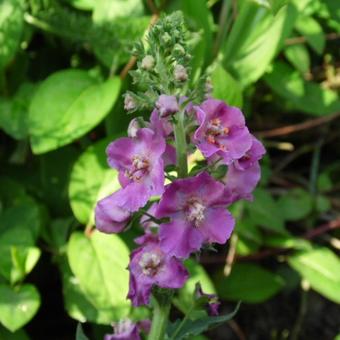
(63, 70)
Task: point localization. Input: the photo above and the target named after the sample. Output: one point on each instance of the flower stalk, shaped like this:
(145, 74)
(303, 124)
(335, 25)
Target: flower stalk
(161, 310)
(181, 145)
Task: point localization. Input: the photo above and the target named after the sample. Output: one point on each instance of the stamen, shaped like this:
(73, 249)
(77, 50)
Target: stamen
(195, 212)
(150, 263)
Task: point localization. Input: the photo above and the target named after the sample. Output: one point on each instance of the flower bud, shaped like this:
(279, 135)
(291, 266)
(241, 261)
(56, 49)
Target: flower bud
(179, 49)
(166, 37)
(133, 127)
(148, 62)
(129, 102)
(167, 105)
(180, 73)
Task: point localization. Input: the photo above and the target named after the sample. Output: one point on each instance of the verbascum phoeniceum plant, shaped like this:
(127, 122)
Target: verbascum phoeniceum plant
(181, 210)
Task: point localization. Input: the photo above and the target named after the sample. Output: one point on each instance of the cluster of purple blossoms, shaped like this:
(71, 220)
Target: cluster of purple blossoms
(188, 213)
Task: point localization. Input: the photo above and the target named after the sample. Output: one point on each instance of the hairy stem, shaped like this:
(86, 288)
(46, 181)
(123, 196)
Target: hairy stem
(161, 310)
(181, 145)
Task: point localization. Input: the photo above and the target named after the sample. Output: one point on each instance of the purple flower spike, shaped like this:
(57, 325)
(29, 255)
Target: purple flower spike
(167, 105)
(244, 174)
(140, 165)
(111, 218)
(124, 330)
(197, 215)
(222, 130)
(150, 266)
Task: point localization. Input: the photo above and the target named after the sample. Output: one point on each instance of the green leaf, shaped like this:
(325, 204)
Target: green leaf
(276, 5)
(67, 105)
(198, 15)
(264, 211)
(14, 112)
(313, 32)
(295, 204)
(225, 87)
(19, 228)
(80, 335)
(307, 97)
(298, 56)
(91, 180)
(11, 26)
(197, 273)
(191, 328)
(108, 10)
(321, 268)
(83, 4)
(18, 305)
(249, 283)
(254, 40)
(99, 262)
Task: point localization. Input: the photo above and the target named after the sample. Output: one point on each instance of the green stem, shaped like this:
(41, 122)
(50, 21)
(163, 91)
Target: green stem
(161, 310)
(181, 145)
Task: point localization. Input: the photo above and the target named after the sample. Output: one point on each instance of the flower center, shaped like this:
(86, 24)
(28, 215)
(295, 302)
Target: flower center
(139, 167)
(195, 212)
(214, 130)
(150, 263)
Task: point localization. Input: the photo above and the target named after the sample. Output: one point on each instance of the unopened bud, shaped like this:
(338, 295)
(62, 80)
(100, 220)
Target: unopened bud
(148, 62)
(180, 73)
(129, 103)
(179, 49)
(133, 127)
(167, 105)
(166, 37)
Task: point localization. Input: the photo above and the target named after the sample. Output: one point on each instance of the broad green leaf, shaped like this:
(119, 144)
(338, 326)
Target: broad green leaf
(306, 96)
(275, 5)
(254, 40)
(91, 180)
(19, 228)
(295, 204)
(225, 87)
(11, 26)
(14, 112)
(279, 241)
(321, 268)
(108, 10)
(18, 305)
(80, 335)
(190, 328)
(265, 212)
(249, 283)
(298, 56)
(67, 105)
(196, 274)
(83, 4)
(199, 18)
(313, 32)
(76, 303)
(323, 203)
(99, 263)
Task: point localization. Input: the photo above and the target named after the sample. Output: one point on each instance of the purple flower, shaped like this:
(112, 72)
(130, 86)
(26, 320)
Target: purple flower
(140, 165)
(222, 130)
(167, 105)
(212, 299)
(150, 266)
(128, 330)
(160, 125)
(197, 215)
(109, 216)
(244, 174)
